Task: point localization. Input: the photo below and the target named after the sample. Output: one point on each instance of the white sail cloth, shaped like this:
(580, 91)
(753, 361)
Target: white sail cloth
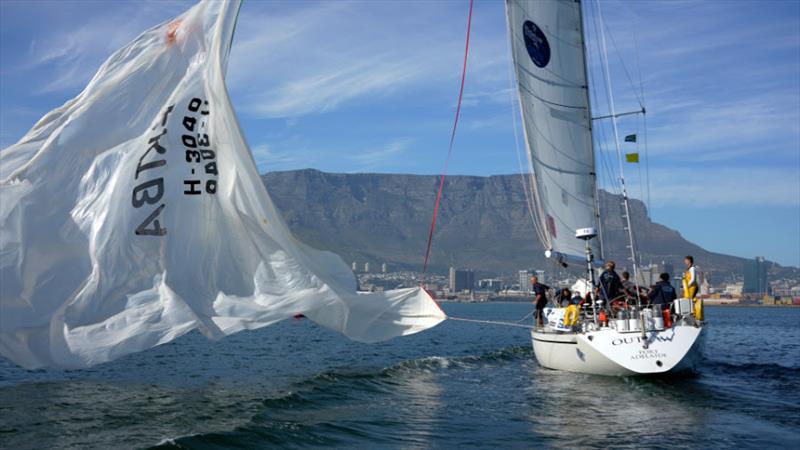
(548, 52)
(134, 213)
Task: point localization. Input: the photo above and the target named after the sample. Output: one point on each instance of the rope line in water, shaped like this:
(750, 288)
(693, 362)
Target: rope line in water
(493, 322)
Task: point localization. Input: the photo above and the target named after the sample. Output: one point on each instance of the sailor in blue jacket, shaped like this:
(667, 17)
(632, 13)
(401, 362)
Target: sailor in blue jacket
(662, 293)
(609, 286)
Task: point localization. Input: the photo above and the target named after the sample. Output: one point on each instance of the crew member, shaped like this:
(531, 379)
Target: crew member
(576, 298)
(662, 293)
(564, 298)
(609, 286)
(628, 286)
(690, 287)
(539, 298)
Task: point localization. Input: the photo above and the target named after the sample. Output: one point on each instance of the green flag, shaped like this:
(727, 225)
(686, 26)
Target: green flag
(632, 157)
(630, 138)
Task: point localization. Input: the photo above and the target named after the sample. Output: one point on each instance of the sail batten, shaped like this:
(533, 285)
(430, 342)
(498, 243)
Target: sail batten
(549, 60)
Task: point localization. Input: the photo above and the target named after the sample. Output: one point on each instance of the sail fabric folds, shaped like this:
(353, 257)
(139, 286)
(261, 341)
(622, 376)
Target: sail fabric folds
(547, 46)
(134, 214)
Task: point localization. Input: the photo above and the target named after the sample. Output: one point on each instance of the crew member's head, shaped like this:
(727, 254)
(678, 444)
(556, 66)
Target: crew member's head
(689, 261)
(611, 265)
(664, 277)
(534, 279)
(626, 275)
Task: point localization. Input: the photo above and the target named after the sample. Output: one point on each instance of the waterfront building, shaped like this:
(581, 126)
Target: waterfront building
(490, 284)
(525, 280)
(461, 280)
(755, 276)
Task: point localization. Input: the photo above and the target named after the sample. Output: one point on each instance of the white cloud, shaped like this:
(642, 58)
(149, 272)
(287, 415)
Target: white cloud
(321, 57)
(373, 158)
(695, 186)
(267, 159)
(70, 53)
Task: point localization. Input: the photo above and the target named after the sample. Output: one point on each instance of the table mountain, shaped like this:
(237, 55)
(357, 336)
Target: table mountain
(483, 223)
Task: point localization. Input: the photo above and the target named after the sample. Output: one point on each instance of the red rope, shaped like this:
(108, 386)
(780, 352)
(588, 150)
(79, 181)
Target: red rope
(450, 147)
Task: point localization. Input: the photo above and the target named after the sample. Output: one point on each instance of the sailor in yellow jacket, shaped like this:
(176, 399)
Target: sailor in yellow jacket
(691, 286)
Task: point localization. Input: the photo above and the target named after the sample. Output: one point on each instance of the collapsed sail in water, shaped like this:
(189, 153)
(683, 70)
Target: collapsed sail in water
(134, 213)
(548, 52)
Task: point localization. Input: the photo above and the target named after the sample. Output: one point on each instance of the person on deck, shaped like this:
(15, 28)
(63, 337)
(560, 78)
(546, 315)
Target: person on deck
(576, 298)
(627, 285)
(662, 293)
(609, 286)
(539, 298)
(564, 298)
(691, 285)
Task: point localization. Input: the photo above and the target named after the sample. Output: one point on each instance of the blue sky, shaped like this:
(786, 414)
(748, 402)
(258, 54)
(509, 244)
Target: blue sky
(371, 86)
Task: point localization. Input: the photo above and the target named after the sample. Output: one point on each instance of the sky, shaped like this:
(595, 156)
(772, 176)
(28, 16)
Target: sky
(371, 86)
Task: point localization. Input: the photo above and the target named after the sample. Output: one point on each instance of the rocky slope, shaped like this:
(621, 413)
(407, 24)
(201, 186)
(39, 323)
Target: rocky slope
(483, 223)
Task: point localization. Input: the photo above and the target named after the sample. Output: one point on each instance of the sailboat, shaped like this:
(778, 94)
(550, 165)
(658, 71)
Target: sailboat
(549, 56)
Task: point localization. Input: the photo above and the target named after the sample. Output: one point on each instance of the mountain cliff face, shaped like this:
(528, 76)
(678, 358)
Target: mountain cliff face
(483, 223)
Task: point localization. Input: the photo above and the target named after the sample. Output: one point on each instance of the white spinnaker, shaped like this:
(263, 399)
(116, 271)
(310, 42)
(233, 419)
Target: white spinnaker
(547, 46)
(135, 213)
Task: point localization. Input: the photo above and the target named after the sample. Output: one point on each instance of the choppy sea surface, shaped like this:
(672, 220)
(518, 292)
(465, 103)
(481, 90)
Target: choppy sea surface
(296, 385)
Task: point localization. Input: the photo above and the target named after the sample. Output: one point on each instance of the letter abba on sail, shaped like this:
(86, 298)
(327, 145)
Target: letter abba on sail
(134, 213)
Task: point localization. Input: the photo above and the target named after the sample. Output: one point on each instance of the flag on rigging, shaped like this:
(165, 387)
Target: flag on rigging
(630, 138)
(632, 157)
(134, 213)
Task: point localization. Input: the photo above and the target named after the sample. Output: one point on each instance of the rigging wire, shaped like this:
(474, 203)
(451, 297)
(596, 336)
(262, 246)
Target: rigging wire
(644, 116)
(604, 62)
(450, 146)
(622, 63)
(493, 322)
(609, 175)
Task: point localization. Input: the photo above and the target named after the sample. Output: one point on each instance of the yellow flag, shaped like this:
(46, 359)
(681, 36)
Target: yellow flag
(632, 157)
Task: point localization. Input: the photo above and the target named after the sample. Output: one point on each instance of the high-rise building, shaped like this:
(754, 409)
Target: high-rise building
(366, 267)
(384, 268)
(465, 280)
(355, 267)
(525, 280)
(490, 284)
(755, 276)
(461, 280)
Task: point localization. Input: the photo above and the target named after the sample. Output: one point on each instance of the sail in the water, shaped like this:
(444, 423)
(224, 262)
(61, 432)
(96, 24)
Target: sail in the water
(548, 52)
(134, 213)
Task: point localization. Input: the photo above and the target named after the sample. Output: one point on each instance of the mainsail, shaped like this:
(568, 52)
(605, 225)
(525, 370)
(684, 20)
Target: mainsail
(549, 60)
(134, 214)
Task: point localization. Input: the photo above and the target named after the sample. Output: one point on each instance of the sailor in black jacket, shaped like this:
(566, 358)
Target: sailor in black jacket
(662, 293)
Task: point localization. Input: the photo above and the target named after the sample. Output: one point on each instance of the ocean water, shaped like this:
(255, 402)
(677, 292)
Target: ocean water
(459, 385)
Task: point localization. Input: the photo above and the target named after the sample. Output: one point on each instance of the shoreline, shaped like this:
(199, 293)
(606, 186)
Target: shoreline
(708, 305)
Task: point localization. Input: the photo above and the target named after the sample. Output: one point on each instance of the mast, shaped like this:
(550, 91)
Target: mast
(591, 136)
(589, 255)
(625, 202)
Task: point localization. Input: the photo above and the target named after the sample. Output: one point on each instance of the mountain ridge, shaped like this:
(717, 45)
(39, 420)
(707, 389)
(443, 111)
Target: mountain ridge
(483, 223)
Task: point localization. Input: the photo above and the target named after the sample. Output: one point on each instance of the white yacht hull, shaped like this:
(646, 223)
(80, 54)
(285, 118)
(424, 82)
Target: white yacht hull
(609, 352)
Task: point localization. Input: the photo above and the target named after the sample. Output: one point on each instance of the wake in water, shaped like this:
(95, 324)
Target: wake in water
(346, 407)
